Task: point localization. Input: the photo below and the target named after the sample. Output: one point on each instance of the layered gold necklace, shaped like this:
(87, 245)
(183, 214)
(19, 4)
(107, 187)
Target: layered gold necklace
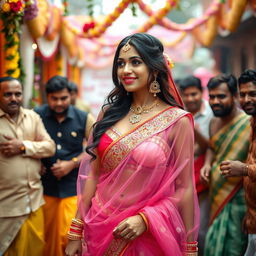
(138, 111)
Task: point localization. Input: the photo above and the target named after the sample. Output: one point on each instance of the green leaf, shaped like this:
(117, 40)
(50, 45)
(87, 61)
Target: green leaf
(10, 57)
(10, 71)
(134, 10)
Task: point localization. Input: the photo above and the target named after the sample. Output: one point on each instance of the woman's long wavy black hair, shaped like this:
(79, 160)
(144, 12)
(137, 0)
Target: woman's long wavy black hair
(118, 101)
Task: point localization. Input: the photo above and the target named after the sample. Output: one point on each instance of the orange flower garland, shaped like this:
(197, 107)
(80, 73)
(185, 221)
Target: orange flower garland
(12, 12)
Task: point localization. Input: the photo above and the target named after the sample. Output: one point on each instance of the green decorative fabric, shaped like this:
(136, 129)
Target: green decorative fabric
(231, 142)
(225, 237)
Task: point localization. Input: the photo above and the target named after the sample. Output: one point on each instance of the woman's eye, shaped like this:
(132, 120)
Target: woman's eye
(136, 62)
(120, 63)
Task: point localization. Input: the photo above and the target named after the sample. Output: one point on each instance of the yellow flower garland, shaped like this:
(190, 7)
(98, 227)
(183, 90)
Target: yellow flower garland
(12, 59)
(12, 12)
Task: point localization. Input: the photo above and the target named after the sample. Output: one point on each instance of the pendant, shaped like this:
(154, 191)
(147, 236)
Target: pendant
(134, 119)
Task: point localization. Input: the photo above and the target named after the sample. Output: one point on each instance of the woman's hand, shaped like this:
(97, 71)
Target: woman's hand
(74, 248)
(130, 228)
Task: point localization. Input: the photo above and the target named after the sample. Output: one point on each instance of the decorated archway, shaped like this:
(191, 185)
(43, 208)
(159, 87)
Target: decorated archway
(39, 40)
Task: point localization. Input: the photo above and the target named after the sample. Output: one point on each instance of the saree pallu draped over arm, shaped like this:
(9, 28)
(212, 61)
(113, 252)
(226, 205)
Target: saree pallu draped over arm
(149, 170)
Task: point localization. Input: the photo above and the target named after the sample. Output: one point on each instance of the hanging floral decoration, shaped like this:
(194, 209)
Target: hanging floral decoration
(31, 10)
(12, 12)
(88, 26)
(65, 5)
(91, 24)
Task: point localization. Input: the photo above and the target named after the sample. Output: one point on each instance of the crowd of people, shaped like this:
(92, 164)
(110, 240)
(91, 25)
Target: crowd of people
(225, 173)
(162, 171)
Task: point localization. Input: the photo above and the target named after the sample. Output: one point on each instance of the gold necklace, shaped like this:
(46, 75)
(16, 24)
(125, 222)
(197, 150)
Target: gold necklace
(138, 111)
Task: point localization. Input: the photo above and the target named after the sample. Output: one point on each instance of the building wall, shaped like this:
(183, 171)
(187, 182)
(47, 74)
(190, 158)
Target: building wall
(237, 51)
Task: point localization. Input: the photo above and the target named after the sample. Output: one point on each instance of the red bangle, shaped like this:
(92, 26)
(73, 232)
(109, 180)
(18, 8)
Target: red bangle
(78, 231)
(191, 249)
(75, 225)
(191, 243)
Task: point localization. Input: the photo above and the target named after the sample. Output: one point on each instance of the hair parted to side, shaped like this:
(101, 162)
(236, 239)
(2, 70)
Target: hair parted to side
(56, 84)
(7, 79)
(118, 103)
(230, 80)
(249, 75)
(190, 81)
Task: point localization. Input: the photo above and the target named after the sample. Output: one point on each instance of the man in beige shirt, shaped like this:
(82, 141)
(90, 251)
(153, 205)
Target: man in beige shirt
(23, 142)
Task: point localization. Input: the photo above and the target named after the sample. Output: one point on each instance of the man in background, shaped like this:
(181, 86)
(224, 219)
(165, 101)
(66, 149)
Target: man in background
(229, 139)
(68, 126)
(23, 141)
(80, 104)
(192, 95)
(229, 168)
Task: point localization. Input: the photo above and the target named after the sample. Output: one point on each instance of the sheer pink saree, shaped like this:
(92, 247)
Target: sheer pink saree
(148, 170)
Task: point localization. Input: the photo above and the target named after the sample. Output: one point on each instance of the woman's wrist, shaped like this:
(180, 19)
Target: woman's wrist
(76, 229)
(190, 248)
(144, 218)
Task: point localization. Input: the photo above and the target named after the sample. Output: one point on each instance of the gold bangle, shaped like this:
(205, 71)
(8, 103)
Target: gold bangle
(191, 254)
(191, 250)
(78, 222)
(72, 236)
(190, 244)
(142, 215)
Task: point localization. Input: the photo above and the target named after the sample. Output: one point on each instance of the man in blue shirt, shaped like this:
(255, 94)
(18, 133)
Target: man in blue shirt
(68, 127)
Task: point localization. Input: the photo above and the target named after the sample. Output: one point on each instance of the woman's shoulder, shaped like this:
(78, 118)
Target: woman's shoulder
(178, 112)
(171, 115)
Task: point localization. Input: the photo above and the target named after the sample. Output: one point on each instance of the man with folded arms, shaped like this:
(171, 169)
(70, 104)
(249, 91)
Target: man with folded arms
(23, 142)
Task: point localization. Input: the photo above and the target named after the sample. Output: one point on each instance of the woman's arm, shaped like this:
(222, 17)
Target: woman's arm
(74, 246)
(183, 145)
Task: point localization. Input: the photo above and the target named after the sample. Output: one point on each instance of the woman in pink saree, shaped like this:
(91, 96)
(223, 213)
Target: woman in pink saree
(136, 187)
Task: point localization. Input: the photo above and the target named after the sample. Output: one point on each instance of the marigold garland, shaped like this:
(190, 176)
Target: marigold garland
(12, 12)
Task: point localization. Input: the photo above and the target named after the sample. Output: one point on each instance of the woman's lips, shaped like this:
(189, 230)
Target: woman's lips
(129, 80)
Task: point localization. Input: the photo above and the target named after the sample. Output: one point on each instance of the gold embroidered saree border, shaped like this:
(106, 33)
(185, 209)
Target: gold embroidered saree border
(117, 247)
(135, 128)
(121, 147)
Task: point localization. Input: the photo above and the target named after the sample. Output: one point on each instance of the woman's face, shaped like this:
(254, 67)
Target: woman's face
(132, 72)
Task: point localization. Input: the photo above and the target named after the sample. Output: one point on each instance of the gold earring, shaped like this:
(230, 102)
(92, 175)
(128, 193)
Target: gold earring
(154, 87)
